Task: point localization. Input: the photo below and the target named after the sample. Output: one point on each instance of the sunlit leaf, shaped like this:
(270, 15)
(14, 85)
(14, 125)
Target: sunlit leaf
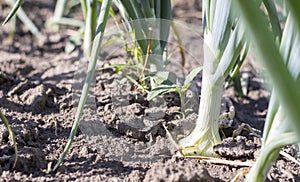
(13, 11)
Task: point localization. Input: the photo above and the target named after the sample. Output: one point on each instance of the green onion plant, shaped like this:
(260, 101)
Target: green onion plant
(62, 7)
(223, 42)
(102, 20)
(150, 22)
(16, 9)
(229, 28)
(282, 125)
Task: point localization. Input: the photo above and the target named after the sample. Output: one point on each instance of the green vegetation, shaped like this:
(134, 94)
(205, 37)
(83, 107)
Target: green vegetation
(229, 28)
(167, 82)
(11, 134)
(223, 42)
(17, 10)
(282, 122)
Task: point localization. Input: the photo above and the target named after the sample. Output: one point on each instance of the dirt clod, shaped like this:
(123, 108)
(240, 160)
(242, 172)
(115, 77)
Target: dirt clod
(182, 170)
(236, 147)
(29, 159)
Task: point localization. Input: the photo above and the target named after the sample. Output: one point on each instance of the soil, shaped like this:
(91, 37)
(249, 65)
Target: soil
(122, 135)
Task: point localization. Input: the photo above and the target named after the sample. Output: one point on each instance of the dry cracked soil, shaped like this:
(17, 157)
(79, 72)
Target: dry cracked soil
(122, 136)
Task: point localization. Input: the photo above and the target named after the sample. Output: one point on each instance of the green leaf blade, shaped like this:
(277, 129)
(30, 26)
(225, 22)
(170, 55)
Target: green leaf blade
(13, 11)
